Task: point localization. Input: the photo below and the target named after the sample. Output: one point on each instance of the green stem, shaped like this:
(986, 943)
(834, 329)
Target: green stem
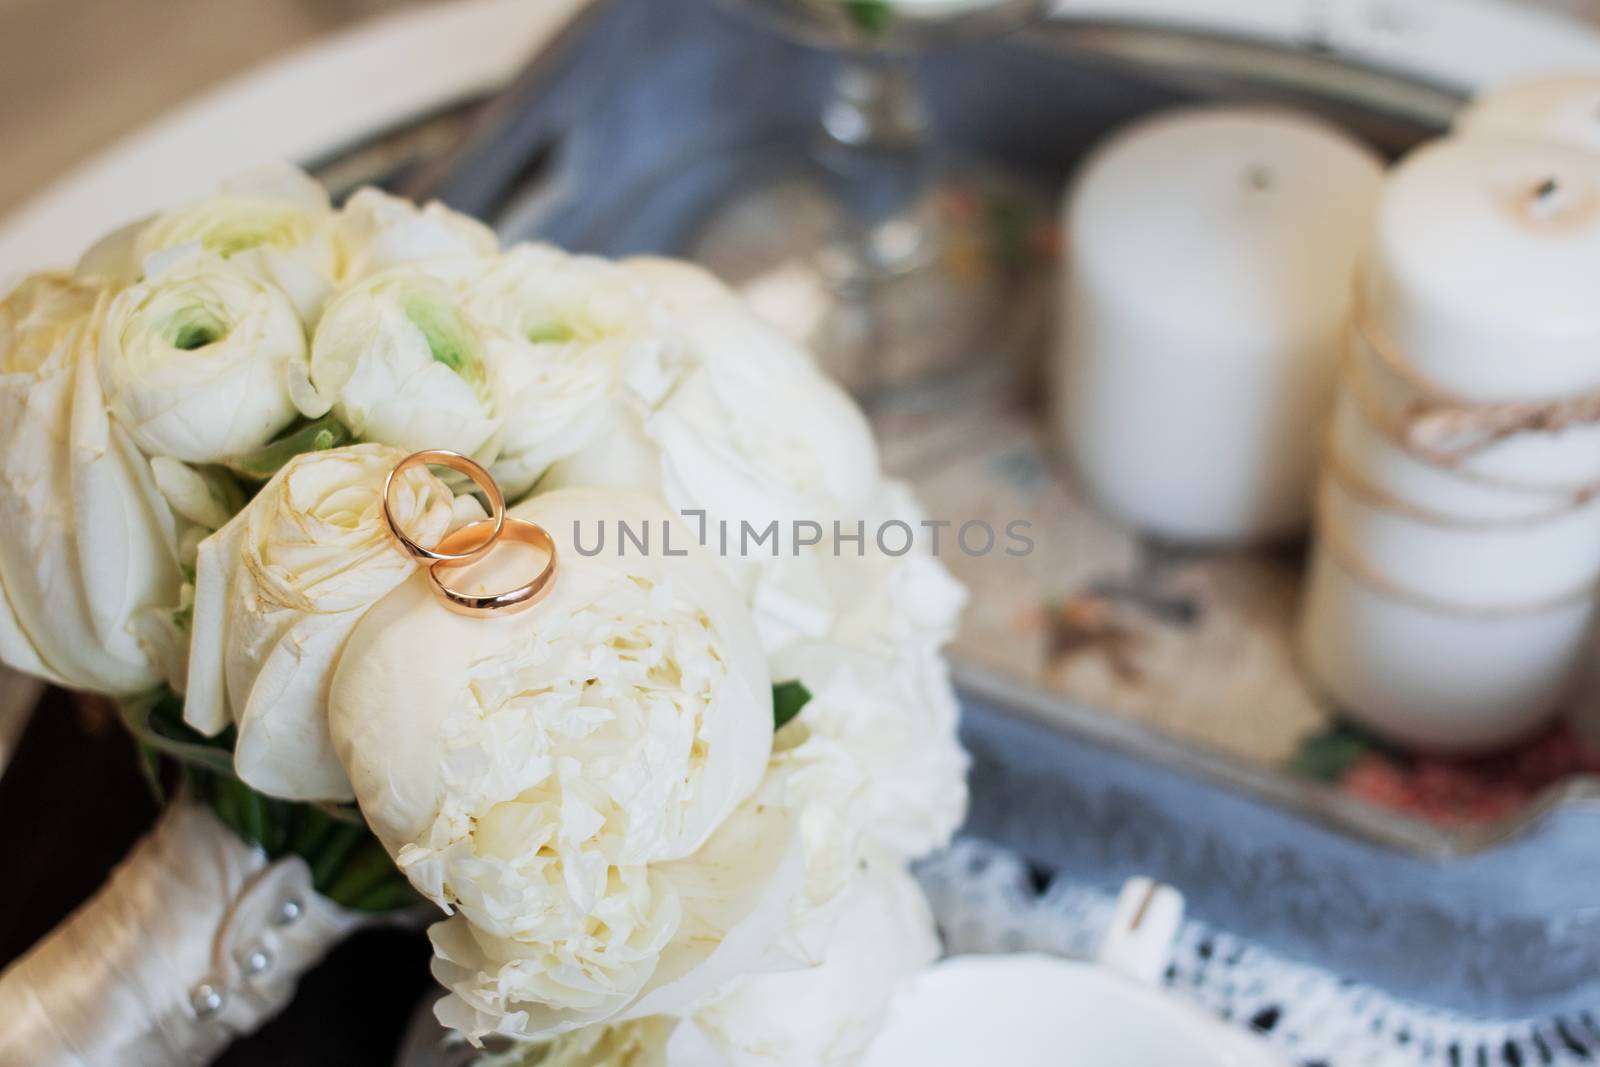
(367, 870)
(331, 857)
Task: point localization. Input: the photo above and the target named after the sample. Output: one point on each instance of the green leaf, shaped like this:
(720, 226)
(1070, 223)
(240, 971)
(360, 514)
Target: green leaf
(787, 700)
(872, 17)
(308, 435)
(1328, 756)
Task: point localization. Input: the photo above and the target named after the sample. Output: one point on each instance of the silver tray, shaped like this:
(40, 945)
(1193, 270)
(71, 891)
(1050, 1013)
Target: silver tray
(623, 138)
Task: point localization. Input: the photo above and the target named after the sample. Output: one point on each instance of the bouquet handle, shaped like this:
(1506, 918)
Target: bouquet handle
(196, 939)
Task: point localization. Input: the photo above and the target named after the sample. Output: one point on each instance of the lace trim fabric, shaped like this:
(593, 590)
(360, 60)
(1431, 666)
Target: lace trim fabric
(988, 899)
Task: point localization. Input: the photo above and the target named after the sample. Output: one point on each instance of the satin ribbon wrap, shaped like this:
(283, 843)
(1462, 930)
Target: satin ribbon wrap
(194, 941)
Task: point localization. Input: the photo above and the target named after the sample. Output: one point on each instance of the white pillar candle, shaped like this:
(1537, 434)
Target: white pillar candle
(1357, 443)
(1476, 564)
(1210, 255)
(1458, 550)
(1474, 441)
(1562, 108)
(1438, 677)
(1483, 274)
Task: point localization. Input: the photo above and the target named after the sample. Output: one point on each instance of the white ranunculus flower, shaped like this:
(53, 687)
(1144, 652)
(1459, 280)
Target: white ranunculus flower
(561, 330)
(195, 359)
(113, 261)
(278, 590)
(377, 232)
(563, 778)
(88, 547)
(751, 432)
(274, 222)
(398, 363)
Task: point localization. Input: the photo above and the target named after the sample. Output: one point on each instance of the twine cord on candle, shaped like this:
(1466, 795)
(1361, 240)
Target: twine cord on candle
(1356, 565)
(1356, 381)
(1448, 429)
(1339, 468)
(1562, 499)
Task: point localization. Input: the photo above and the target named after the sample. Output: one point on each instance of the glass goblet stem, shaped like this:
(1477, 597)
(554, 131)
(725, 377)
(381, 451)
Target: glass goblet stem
(874, 146)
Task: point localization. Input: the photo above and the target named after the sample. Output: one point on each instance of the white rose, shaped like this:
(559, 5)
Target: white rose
(828, 1014)
(195, 359)
(552, 775)
(86, 542)
(396, 361)
(277, 592)
(752, 432)
(561, 329)
(376, 232)
(274, 222)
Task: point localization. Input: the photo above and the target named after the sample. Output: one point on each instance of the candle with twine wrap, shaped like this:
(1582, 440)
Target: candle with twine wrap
(1564, 108)
(1454, 576)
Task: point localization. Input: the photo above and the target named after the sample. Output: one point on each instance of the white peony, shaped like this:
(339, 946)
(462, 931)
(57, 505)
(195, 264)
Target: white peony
(377, 232)
(195, 359)
(274, 222)
(396, 361)
(88, 551)
(556, 777)
(851, 591)
(277, 592)
(828, 1014)
(561, 330)
(823, 1015)
(751, 431)
(701, 923)
(873, 760)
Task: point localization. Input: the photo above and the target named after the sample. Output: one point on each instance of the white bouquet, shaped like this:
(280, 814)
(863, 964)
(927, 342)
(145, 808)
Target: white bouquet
(663, 815)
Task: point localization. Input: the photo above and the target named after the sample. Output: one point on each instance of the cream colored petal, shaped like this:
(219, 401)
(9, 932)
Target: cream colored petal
(205, 705)
(284, 749)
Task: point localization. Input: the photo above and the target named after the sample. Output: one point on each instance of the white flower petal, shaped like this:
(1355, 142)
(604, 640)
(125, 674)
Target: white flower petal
(397, 361)
(600, 740)
(195, 359)
(89, 543)
(278, 591)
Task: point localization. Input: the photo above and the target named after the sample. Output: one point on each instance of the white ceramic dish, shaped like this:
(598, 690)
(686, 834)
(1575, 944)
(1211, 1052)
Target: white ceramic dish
(376, 75)
(1042, 1011)
(1029, 1010)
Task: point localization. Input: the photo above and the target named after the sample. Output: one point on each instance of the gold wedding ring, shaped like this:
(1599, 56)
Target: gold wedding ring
(480, 535)
(443, 457)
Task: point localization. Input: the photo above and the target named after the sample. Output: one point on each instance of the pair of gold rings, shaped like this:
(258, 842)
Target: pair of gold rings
(472, 542)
